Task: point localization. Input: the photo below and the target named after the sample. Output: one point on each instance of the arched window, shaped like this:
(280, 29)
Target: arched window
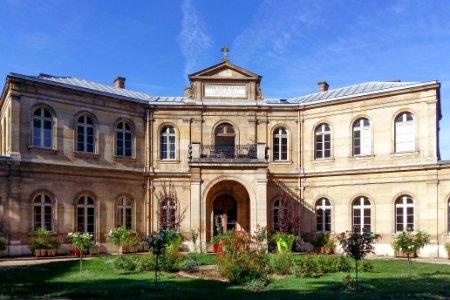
(42, 212)
(362, 139)
(42, 128)
(85, 134)
(276, 213)
(124, 139)
(404, 213)
(280, 144)
(167, 143)
(322, 142)
(361, 214)
(124, 213)
(168, 213)
(323, 214)
(86, 215)
(404, 133)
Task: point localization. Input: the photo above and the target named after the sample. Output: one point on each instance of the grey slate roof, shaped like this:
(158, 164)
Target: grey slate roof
(362, 89)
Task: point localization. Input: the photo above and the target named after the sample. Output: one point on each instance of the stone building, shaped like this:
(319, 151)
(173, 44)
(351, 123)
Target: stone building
(82, 156)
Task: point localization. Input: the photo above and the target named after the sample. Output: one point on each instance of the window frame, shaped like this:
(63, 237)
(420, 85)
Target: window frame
(361, 207)
(320, 138)
(165, 147)
(85, 207)
(168, 206)
(401, 133)
(365, 137)
(122, 211)
(41, 206)
(279, 140)
(324, 204)
(85, 126)
(124, 132)
(401, 203)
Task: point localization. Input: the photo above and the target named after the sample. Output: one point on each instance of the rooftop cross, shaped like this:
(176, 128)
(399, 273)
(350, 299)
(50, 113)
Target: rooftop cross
(225, 49)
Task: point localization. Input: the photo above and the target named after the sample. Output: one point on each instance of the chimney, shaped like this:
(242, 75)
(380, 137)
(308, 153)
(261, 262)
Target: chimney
(119, 82)
(323, 86)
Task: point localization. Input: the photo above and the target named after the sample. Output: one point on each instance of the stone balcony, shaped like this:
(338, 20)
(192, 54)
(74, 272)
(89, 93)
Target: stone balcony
(253, 155)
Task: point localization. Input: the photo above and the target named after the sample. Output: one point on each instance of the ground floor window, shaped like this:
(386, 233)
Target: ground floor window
(323, 215)
(86, 215)
(362, 211)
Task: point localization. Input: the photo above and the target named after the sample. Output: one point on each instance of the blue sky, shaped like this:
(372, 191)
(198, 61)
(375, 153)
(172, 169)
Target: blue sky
(292, 44)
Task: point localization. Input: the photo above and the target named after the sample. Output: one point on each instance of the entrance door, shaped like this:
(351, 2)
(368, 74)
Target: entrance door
(224, 214)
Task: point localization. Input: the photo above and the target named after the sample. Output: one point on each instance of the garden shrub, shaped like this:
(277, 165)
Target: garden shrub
(281, 263)
(126, 263)
(145, 263)
(315, 265)
(242, 259)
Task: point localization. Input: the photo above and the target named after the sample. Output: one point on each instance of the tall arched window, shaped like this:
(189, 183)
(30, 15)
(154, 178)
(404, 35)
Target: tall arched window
(85, 134)
(168, 213)
(42, 212)
(405, 138)
(404, 213)
(280, 144)
(167, 143)
(86, 215)
(42, 128)
(323, 215)
(124, 213)
(276, 213)
(124, 139)
(362, 137)
(322, 142)
(361, 214)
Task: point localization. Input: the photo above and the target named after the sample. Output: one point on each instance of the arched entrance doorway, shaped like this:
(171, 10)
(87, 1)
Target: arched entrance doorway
(228, 208)
(225, 214)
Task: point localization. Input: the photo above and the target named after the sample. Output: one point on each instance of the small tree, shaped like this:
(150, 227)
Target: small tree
(83, 242)
(158, 242)
(357, 245)
(409, 242)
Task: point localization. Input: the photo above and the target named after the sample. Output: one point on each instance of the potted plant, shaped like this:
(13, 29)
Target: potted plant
(447, 248)
(284, 241)
(215, 240)
(52, 246)
(94, 249)
(131, 242)
(322, 243)
(118, 237)
(39, 242)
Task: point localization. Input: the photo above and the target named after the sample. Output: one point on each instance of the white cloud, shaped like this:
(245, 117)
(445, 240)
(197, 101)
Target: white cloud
(193, 39)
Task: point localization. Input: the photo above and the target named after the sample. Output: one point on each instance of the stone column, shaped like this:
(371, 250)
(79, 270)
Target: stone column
(198, 209)
(259, 207)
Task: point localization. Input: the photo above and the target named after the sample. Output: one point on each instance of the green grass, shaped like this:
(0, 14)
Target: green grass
(389, 280)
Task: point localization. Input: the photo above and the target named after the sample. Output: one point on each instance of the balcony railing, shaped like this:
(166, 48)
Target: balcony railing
(229, 152)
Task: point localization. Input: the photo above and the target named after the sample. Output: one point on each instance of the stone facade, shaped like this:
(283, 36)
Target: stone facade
(77, 155)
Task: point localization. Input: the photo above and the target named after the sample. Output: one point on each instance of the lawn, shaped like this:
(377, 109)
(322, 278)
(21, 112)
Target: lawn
(389, 280)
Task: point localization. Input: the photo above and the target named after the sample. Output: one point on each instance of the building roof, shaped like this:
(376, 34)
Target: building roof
(343, 93)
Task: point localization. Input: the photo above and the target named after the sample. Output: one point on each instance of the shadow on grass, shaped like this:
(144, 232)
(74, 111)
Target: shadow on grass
(100, 281)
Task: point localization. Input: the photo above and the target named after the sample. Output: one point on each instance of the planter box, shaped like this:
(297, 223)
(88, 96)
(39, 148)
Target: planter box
(40, 252)
(401, 254)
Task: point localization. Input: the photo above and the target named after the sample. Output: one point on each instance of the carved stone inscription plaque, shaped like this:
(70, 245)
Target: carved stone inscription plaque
(225, 90)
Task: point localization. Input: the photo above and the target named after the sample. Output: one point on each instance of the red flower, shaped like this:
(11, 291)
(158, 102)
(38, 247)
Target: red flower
(245, 267)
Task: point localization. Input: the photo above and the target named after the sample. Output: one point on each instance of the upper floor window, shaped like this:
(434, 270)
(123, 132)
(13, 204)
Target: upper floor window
(85, 134)
(280, 144)
(42, 212)
(323, 215)
(86, 215)
(167, 143)
(322, 142)
(362, 214)
(362, 137)
(124, 139)
(124, 213)
(42, 128)
(404, 132)
(404, 213)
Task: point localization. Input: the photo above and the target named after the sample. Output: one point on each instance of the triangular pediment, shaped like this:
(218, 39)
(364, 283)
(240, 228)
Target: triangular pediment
(227, 70)
(224, 82)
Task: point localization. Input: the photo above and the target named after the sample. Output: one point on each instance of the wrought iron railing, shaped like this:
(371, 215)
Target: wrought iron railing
(229, 152)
